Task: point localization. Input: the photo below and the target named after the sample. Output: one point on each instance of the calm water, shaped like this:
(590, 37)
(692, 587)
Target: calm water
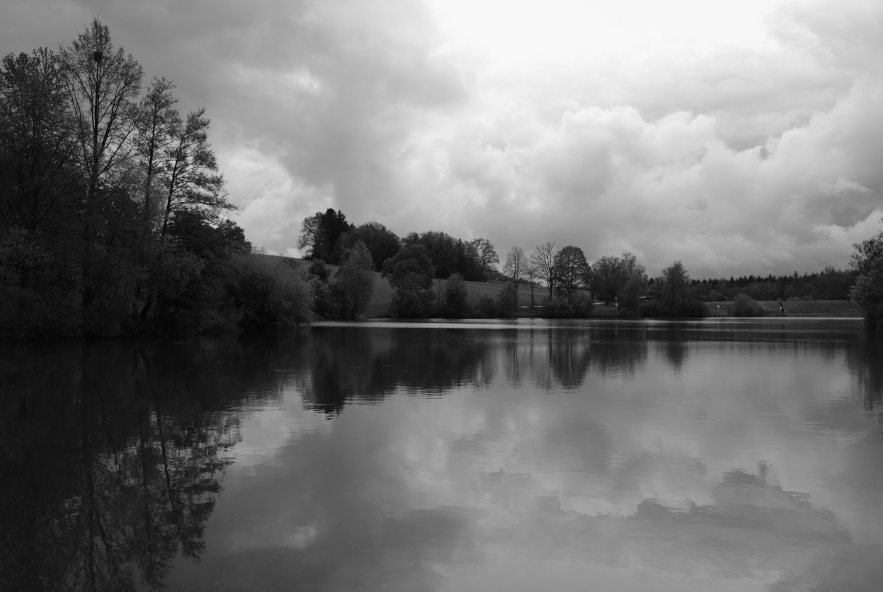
(513, 457)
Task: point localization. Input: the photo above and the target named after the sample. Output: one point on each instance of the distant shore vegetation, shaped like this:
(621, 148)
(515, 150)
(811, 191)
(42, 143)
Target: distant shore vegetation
(113, 222)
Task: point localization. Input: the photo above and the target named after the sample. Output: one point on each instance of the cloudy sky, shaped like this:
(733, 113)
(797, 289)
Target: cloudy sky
(737, 136)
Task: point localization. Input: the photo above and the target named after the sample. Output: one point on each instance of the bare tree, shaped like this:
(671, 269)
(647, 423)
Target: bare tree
(543, 259)
(515, 267)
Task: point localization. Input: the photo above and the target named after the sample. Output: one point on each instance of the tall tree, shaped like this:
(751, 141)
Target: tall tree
(569, 269)
(191, 179)
(673, 284)
(543, 259)
(515, 267)
(157, 121)
(606, 277)
(355, 280)
(103, 84)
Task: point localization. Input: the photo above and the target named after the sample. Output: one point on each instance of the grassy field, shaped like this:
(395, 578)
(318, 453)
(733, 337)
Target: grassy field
(380, 301)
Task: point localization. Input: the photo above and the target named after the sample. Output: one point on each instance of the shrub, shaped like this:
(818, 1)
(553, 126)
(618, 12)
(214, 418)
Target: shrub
(582, 306)
(485, 307)
(271, 293)
(454, 298)
(716, 296)
(557, 308)
(412, 305)
(506, 301)
(745, 306)
(655, 309)
(690, 308)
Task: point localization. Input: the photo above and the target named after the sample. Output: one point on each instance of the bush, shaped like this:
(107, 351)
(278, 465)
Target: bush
(485, 307)
(506, 301)
(582, 306)
(454, 298)
(691, 308)
(271, 294)
(412, 305)
(716, 296)
(745, 306)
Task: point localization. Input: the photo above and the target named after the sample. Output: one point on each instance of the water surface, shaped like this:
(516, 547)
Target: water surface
(721, 454)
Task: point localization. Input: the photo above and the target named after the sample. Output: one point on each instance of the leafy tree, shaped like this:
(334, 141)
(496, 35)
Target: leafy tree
(673, 285)
(454, 304)
(39, 181)
(321, 234)
(515, 268)
(569, 269)
(355, 281)
(867, 260)
(382, 243)
(607, 278)
(543, 260)
(410, 272)
(271, 293)
(191, 180)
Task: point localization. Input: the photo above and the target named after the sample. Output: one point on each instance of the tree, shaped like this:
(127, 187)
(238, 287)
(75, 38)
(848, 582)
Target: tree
(543, 259)
(309, 235)
(487, 257)
(156, 121)
(38, 177)
(382, 243)
(607, 275)
(191, 179)
(355, 280)
(102, 85)
(530, 272)
(515, 267)
(867, 292)
(410, 273)
(674, 284)
(569, 269)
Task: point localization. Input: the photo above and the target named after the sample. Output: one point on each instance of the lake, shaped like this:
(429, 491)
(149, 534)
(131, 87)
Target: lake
(514, 456)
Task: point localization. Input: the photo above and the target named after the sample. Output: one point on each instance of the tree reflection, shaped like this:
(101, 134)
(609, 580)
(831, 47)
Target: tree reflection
(349, 363)
(112, 464)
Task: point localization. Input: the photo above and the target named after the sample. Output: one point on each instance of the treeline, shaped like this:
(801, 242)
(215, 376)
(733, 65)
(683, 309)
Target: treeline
(112, 207)
(829, 284)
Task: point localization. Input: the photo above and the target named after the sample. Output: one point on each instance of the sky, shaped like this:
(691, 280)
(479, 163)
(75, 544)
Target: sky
(739, 137)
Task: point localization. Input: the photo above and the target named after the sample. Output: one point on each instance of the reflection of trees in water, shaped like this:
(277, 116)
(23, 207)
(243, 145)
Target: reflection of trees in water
(113, 457)
(865, 359)
(564, 355)
(354, 363)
